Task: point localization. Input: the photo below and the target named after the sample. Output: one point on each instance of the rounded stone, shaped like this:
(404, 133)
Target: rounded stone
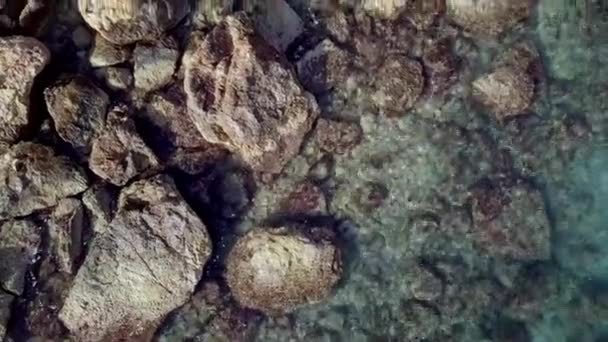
(506, 91)
(274, 270)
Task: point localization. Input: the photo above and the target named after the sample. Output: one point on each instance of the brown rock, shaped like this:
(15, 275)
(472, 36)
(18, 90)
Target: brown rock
(242, 94)
(337, 136)
(439, 66)
(32, 177)
(275, 270)
(154, 64)
(398, 85)
(386, 9)
(104, 53)
(306, 198)
(19, 244)
(21, 59)
(119, 154)
(323, 68)
(78, 108)
(65, 229)
(144, 266)
(506, 92)
(488, 17)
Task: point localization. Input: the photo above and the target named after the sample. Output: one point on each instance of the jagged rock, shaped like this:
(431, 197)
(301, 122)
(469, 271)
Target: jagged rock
(398, 85)
(6, 300)
(34, 178)
(104, 53)
(509, 220)
(176, 140)
(306, 198)
(119, 154)
(143, 267)
(21, 59)
(116, 78)
(65, 229)
(337, 136)
(278, 23)
(127, 21)
(78, 108)
(100, 201)
(154, 64)
(506, 91)
(487, 17)
(19, 244)
(208, 13)
(324, 67)
(276, 270)
(244, 95)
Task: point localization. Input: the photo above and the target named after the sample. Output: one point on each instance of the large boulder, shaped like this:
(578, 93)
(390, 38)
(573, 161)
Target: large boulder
(244, 95)
(145, 265)
(21, 59)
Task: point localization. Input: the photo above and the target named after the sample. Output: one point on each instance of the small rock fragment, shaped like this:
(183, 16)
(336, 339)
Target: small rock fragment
(306, 198)
(143, 267)
(78, 108)
(243, 95)
(116, 78)
(324, 67)
(488, 17)
(19, 243)
(398, 85)
(6, 301)
(119, 154)
(207, 13)
(337, 136)
(105, 53)
(32, 177)
(278, 23)
(127, 21)
(506, 92)
(65, 228)
(154, 64)
(21, 59)
(276, 270)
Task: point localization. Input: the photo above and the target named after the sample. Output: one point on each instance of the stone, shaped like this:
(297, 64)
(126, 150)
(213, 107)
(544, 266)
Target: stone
(19, 244)
(324, 67)
(208, 13)
(488, 17)
(117, 79)
(306, 198)
(21, 58)
(119, 154)
(176, 140)
(505, 92)
(398, 85)
(510, 221)
(385, 9)
(337, 137)
(425, 285)
(146, 265)
(125, 22)
(6, 301)
(276, 270)
(100, 201)
(243, 94)
(104, 53)
(78, 108)
(35, 17)
(65, 229)
(154, 64)
(278, 23)
(440, 67)
(33, 177)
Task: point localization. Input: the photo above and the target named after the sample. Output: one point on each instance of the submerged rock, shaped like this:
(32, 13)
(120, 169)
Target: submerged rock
(337, 137)
(306, 198)
(324, 67)
(19, 244)
(399, 84)
(127, 21)
(243, 94)
(104, 53)
(32, 177)
(488, 17)
(154, 64)
(21, 59)
(506, 91)
(276, 270)
(143, 267)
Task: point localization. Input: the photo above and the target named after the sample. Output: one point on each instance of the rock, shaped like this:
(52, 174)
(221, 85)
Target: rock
(100, 201)
(425, 285)
(209, 13)
(440, 66)
(41, 317)
(337, 137)
(35, 16)
(385, 9)
(19, 244)
(6, 301)
(34, 178)
(78, 108)
(104, 53)
(119, 154)
(423, 14)
(127, 21)
(506, 91)
(255, 107)
(139, 270)
(81, 37)
(176, 140)
(487, 17)
(306, 198)
(398, 85)
(21, 58)
(278, 23)
(510, 221)
(370, 196)
(154, 64)
(324, 67)
(276, 270)
(116, 78)
(65, 229)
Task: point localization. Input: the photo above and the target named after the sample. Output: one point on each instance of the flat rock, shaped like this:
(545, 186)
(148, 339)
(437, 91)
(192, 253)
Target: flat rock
(34, 178)
(19, 244)
(104, 53)
(244, 95)
(66, 226)
(276, 270)
(278, 23)
(127, 21)
(21, 59)
(488, 17)
(78, 108)
(154, 64)
(6, 301)
(119, 154)
(141, 269)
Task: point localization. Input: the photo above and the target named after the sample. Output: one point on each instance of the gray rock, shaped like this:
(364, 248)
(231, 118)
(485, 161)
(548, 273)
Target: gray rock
(154, 64)
(100, 201)
(142, 268)
(19, 244)
(6, 300)
(116, 78)
(104, 53)
(21, 59)
(242, 94)
(34, 178)
(487, 17)
(81, 37)
(324, 67)
(65, 229)
(78, 108)
(278, 23)
(276, 270)
(119, 154)
(127, 21)
(208, 13)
